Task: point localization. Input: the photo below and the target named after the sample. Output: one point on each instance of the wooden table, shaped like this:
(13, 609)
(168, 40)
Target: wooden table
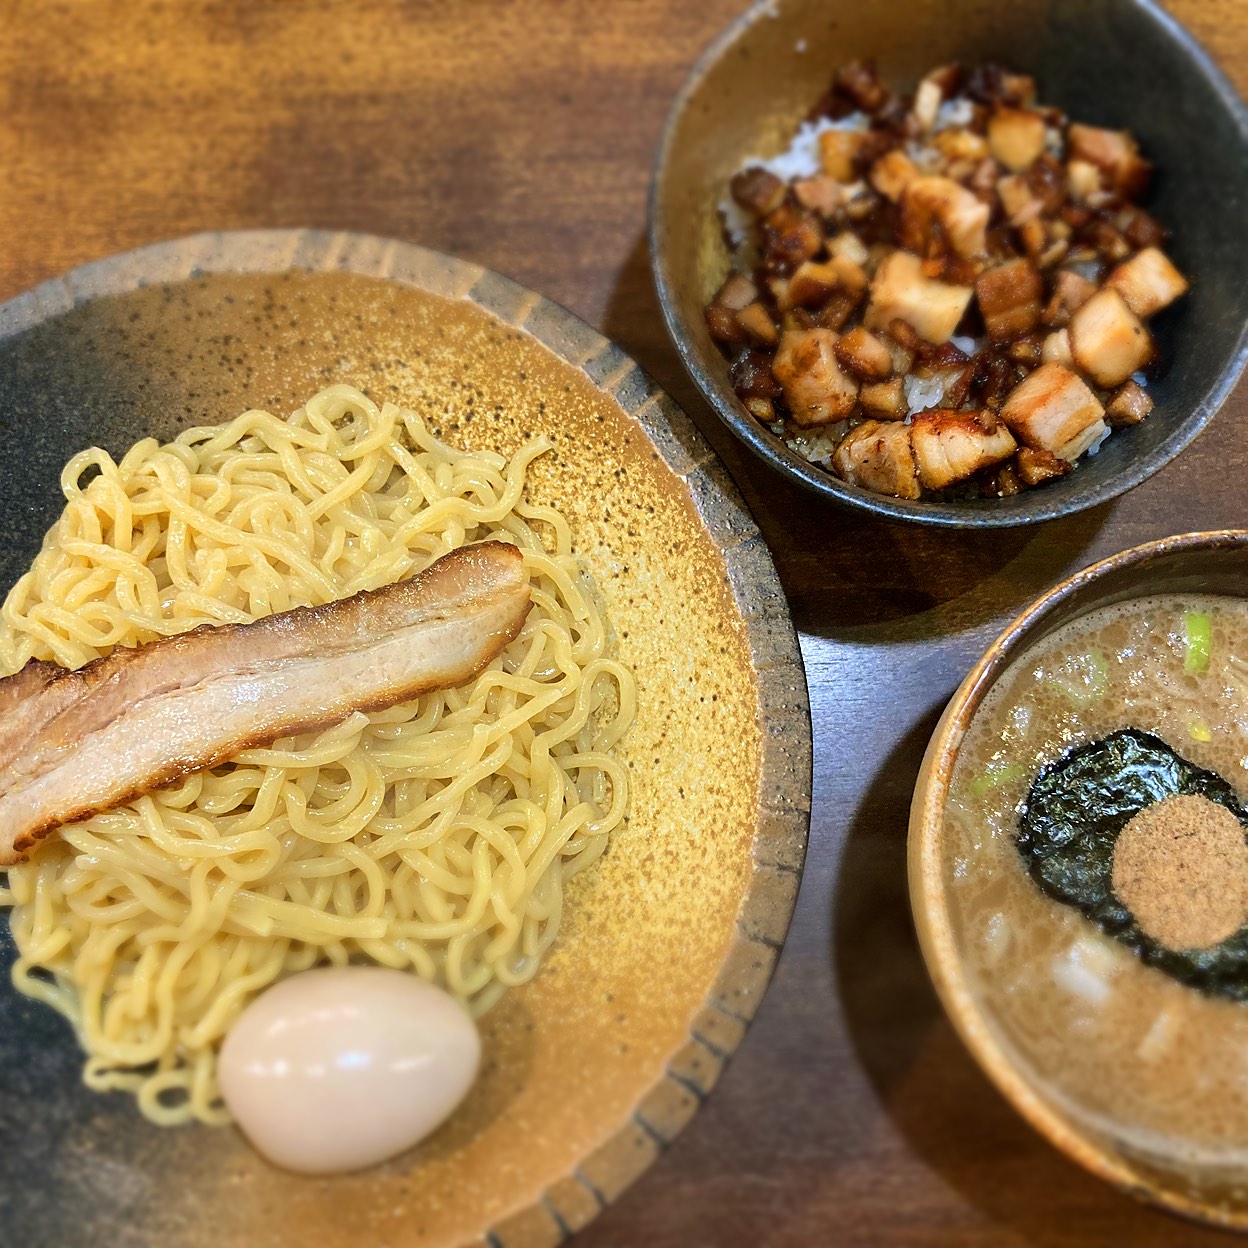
(520, 135)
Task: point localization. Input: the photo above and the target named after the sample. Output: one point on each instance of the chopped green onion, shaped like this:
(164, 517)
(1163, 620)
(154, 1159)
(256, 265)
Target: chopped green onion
(1083, 678)
(1198, 730)
(1199, 639)
(995, 775)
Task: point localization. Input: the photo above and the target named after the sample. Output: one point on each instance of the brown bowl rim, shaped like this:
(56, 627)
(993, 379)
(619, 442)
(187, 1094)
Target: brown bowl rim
(777, 850)
(928, 894)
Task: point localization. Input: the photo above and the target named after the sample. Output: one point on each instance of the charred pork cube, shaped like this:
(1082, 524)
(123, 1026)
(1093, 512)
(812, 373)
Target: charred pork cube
(790, 235)
(927, 100)
(885, 400)
(1107, 341)
(859, 82)
(1070, 292)
(820, 194)
(1083, 180)
(810, 284)
(864, 355)
(878, 456)
(818, 392)
(736, 293)
(1016, 137)
(1128, 405)
(1009, 298)
(1036, 465)
(1056, 349)
(756, 321)
(838, 149)
(1054, 410)
(961, 215)
(1148, 282)
(757, 190)
(901, 290)
(849, 246)
(752, 376)
(951, 446)
(892, 173)
(1113, 151)
(1018, 202)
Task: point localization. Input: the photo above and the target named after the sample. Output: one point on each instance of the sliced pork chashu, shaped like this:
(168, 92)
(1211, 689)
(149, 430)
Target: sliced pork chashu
(74, 743)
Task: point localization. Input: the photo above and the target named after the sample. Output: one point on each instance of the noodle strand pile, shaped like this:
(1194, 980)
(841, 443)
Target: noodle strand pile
(435, 836)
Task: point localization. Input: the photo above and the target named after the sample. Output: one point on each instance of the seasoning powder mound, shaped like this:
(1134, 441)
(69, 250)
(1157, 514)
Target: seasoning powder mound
(1181, 865)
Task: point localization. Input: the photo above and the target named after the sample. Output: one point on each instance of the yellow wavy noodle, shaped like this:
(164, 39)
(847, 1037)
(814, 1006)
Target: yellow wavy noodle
(434, 836)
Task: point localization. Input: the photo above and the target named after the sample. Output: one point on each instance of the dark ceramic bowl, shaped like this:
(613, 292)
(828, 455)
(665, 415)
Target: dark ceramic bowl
(1118, 63)
(1192, 563)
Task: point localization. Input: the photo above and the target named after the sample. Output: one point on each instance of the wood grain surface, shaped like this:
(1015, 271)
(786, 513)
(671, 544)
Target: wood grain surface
(520, 135)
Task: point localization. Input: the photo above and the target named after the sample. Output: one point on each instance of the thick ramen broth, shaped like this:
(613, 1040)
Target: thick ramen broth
(1116, 1045)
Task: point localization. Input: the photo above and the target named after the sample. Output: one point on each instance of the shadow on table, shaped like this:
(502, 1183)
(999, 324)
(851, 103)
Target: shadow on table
(845, 573)
(927, 1082)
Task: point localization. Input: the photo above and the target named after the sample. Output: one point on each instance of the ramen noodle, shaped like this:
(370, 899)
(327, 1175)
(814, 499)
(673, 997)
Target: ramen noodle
(435, 836)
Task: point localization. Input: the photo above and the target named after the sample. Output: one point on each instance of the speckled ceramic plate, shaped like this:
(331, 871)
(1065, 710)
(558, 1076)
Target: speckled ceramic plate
(668, 942)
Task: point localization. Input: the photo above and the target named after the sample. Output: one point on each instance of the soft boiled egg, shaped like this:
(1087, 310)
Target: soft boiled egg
(341, 1067)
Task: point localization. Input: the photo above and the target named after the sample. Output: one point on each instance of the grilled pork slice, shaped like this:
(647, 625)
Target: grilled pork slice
(878, 456)
(951, 446)
(1148, 282)
(73, 744)
(901, 290)
(1054, 410)
(817, 390)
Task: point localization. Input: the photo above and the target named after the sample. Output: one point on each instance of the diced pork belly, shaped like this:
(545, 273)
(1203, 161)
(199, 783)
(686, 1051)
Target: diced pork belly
(885, 400)
(878, 456)
(1083, 180)
(1107, 340)
(757, 190)
(820, 194)
(790, 235)
(736, 293)
(951, 446)
(1035, 465)
(1056, 348)
(1070, 292)
(902, 291)
(1016, 137)
(1054, 410)
(927, 101)
(816, 389)
(864, 355)
(962, 216)
(1128, 405)
(892, 173)
(837, 152)
(1114, 151)
(810, 284)
(1018, 202)
(756, 321)
(1148, 282)
(1009, 297)
(849, 246)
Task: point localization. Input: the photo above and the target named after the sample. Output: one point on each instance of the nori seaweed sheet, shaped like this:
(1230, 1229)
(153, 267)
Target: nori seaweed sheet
(1074, 811)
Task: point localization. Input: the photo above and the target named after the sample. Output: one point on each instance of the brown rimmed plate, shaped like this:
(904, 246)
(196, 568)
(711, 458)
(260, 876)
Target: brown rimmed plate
(667, 944)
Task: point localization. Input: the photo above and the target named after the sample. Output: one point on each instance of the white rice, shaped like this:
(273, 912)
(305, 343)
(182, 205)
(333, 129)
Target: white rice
(799, 160)
(959, 112)
(1100, 441)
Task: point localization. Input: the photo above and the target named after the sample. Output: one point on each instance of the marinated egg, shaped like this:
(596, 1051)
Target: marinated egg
(341, 1067)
